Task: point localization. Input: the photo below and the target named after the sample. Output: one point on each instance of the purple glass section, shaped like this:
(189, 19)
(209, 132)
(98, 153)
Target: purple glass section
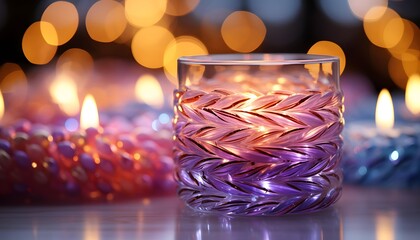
(266, 154)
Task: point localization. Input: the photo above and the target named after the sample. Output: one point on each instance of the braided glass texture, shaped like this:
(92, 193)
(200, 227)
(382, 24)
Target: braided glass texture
(258, 154)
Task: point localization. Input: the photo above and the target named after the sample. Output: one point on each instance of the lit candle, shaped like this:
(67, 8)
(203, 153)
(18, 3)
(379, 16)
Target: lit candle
(258, 134)
(410, 111)
(49, 162)
(384, 155)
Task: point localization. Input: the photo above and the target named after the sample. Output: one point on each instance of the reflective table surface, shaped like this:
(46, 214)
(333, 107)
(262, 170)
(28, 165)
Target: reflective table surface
(361, 213)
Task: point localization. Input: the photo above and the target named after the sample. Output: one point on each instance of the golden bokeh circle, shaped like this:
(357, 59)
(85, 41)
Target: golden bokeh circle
(243, 31)
(105, 20)
(149, 44)
(65, 19)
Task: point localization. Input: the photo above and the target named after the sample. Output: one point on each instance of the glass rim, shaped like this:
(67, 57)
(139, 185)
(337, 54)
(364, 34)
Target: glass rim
(257, 59)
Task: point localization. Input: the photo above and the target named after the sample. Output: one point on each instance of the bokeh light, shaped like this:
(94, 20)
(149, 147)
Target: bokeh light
(34, 46)
(63, 91)
(1, 105)
(105, 20)
(149, 44)
(75, 61)
(412, 99)
(329, 48)
(385, 31)
(360, 7)
(65, 19)
(181, 7)
(144, 13)
(405, 41)
(181, 46)
(397, 73)
(243, 31)
(49, 33)
(13, 82)
(149, 91)
(127, 35)
(411, 62)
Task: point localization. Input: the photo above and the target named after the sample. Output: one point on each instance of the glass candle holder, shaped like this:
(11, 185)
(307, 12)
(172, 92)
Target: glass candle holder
(258, 134)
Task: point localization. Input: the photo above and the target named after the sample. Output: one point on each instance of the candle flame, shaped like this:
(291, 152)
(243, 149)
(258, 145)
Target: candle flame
(384, 115)
(1, 105)
(412, 99)
(89, 116)
(63, 91)
(149, 91)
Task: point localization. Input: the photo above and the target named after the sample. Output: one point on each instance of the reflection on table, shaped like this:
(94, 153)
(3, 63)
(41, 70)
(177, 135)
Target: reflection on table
(361, 213)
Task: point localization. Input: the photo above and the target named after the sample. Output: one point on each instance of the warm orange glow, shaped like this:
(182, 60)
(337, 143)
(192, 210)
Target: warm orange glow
(181, 46)
(13, 81)
(63, 91)
(89, 116)
(384, 115)
(385, 31)
(144, 13)
(149, 44)
(75, 60)
(105, 20)
(64, 18)
(396, 72)
(34, 46)
(243, 31)
(405, 41)
(181, 7)
(360, 8)
(149, 91)
(412, 92)
(411, 62)
(1, 105)
(385, 225)
(49, 33)
(326, 48)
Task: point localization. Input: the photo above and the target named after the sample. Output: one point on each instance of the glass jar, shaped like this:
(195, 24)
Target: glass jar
(258, 134)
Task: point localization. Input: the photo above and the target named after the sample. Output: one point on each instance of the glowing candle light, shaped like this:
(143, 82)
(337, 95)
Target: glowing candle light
(149, 91)
(89, 116)
(412, 99)
(374, 155)
(63, 91)
(384, 115)
(124, 156)
(1, 105)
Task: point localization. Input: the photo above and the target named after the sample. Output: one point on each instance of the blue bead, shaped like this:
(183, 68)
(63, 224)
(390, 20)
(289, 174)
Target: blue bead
(103, 148)
(66, 148)
(23, 126)
(104, 186)
(72, 188)
(22, 159)
(52, 166)
(58, 135)
(106, 165)
(5, 146)
(87, 162)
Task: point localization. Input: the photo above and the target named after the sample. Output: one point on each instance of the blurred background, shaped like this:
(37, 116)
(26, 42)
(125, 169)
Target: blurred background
(378, 41)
